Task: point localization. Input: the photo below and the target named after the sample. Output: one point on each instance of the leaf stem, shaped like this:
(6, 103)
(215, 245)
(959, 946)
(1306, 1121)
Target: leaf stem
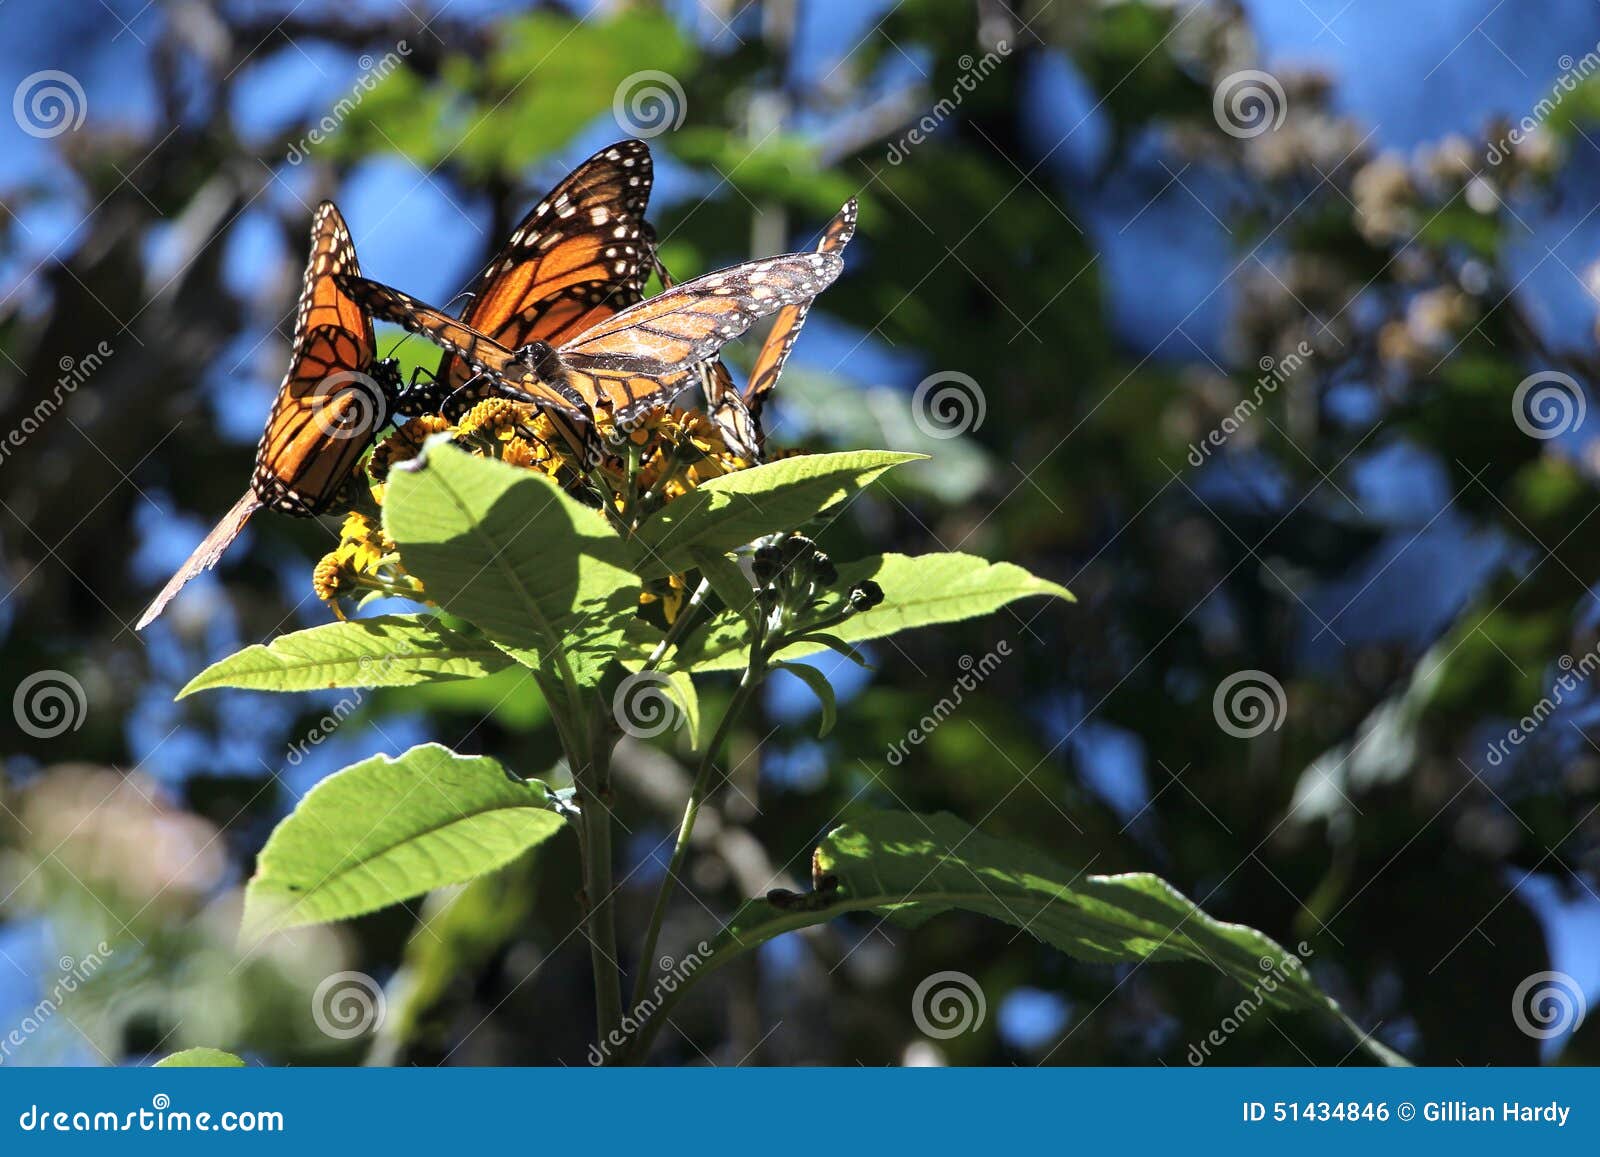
(753, 676)
(592, 773)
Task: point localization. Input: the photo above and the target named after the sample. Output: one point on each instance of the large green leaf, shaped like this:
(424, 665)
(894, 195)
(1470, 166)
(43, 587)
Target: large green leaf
(385, 830)
(918, 591)
(390, 651)
(510, 552)
(729, 511)
(917, 866)
(200, 1058)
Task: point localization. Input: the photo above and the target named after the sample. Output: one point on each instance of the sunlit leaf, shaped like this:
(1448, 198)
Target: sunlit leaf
(386, 830)
(389, 651)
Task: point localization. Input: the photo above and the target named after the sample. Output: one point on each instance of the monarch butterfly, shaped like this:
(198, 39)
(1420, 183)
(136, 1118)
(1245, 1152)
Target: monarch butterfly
(333, 400)
(631, 361)
(580, 256)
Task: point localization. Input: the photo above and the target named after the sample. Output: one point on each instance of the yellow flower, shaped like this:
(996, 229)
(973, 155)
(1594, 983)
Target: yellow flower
(403, 445)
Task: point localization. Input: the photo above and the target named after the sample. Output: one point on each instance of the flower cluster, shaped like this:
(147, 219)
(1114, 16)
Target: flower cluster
(626, 472)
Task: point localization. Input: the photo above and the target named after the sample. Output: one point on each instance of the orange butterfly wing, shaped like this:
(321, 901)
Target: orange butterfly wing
(329, 406)
(579, 257)
(478, 353)
(786, 326)
(644, 355)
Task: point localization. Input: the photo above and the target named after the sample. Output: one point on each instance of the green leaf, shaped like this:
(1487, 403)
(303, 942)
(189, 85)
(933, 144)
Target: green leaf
(200, 1058)
(727, 579)
(820, 687)
(389, 651)
(918, 591)
(510, 552)
(918, 866)
(729, 511)
(385, 830)
(689, 700)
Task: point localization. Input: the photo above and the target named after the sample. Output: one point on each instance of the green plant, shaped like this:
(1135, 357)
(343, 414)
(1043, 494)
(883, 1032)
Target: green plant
(623, 582)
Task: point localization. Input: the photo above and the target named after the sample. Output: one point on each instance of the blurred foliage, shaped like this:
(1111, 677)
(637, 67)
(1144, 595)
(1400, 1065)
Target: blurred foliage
(1370, 824)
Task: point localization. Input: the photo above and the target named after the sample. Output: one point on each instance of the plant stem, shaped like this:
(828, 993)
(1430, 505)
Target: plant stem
(592, 775)
(697, 794)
